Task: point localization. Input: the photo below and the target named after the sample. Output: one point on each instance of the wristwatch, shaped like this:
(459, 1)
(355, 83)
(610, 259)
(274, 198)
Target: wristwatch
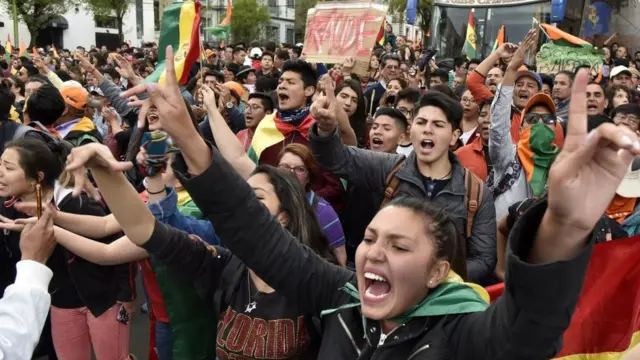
(229, 105)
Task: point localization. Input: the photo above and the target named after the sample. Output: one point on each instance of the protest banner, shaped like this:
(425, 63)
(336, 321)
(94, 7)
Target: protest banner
(553, 58)
(338, 30)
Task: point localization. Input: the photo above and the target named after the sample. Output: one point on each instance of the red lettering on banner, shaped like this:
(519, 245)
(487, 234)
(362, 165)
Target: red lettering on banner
(340, 33)
(223, 325)
(239, 333)
(256, 343)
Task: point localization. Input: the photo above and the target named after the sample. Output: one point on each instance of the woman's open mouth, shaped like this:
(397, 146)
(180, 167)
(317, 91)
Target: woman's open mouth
(377, 287)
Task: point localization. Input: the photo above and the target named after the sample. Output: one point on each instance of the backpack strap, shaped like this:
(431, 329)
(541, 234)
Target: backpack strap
(473, 197)
(392, 183)
(21, 131)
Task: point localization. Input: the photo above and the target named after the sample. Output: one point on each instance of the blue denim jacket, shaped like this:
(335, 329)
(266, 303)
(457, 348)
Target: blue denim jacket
(166, 211)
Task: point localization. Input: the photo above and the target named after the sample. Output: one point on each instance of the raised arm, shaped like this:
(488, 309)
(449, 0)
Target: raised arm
(121, 251)
(88, 225)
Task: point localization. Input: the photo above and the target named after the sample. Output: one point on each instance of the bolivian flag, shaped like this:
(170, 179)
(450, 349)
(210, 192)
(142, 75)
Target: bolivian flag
(560, 37)
(381, 37)
(272, 130)
(500, 39)
(470, 41)
(22, 49)
(223, 29)
(8, 50)
(606, 322)
(180, 29)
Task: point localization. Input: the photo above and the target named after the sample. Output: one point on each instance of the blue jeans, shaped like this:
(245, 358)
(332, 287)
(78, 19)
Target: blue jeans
(163, 340)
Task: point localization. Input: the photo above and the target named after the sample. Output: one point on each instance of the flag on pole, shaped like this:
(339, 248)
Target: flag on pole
(500, 39)
(223, 29)
(55, 51)
(180, 29)
(8, 50)
(22, 49)
(470, 41)
(381, 36)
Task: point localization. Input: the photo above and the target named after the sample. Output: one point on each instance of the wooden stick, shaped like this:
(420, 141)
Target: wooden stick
(38, 201)
(373, 95)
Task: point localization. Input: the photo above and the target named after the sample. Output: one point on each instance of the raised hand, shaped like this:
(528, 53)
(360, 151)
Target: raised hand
(529, 42)
(208, 97)
(583, 179)
(347, 66)
(84, 62)
(124, 67)
(506, 50)
(323, 109)
(88, 156)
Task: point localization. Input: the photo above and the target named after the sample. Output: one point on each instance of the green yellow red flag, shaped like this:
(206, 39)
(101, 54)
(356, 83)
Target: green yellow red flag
(500, 39)
(470, 41)
(8, 50)
(22, 49)
(180, 29)
(222, 30)
(560, 37)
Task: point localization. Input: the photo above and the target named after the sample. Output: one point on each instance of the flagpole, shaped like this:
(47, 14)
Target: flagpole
(15, 20)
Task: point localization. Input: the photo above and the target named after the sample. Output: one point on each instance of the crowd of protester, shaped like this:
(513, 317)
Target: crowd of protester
(283, 209)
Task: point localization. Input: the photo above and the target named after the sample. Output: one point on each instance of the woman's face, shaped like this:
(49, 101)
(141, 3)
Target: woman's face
(63, 66)
(621, 97)
(394, 87)
(13, 181)
(152, 118)
(469, 106)
(607, 53)
(395, 263)
(374, 63)
(266, 193)
(292, 162)
(348, 99)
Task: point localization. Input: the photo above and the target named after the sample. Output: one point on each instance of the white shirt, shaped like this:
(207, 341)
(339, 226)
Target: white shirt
(23, 310)
(404, 150)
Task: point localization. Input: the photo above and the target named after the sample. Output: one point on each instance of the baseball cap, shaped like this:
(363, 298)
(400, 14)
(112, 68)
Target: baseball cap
(232, 85)
(630, 185)
(618, 70)
(208, 53)
(77, 97)
(524, 71)
(539, 99)
(96, 91)
(255, 53)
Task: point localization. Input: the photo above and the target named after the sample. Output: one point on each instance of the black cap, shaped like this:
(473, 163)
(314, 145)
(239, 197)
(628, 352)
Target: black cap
(631, 108)
(234, 68)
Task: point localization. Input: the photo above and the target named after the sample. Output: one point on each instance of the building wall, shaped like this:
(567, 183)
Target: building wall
(627, 24)
(82, 27)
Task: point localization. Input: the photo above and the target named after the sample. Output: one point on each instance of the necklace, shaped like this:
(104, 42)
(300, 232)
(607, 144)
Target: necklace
(252, 305)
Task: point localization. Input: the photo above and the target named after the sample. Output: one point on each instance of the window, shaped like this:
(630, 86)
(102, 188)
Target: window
(274, 9)
(291, 34)
(273, 32)
(106, 22)
(156, 15)
(291, 4)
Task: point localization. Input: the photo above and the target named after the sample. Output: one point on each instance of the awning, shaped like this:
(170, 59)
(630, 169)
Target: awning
(58, 22)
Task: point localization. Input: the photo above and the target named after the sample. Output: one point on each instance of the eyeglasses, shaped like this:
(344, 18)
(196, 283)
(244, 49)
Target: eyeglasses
(467, 100)
(625, 117)
(254, 107)
(534, 118)
(404, 111)
(298, 170)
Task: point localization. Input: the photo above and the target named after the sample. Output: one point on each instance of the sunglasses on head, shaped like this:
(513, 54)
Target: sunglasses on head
(534, 118)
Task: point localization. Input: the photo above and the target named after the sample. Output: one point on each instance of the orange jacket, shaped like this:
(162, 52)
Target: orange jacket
(472, 157)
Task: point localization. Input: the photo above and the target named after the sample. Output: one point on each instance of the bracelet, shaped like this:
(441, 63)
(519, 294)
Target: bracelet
(156, 193)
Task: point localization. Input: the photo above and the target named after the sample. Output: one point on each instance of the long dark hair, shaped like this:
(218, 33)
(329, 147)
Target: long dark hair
(303, 223)
(358, 120)
(37, 156)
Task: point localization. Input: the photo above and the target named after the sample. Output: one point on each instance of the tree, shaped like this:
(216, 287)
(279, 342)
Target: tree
(248, 20)
(104, 9)
(424, 11)
(302, 7)
(36, 14)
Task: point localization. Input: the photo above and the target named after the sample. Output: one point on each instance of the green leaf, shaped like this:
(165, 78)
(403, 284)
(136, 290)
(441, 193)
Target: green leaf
(248, 20)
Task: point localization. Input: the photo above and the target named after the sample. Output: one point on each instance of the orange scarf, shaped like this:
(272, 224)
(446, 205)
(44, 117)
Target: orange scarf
(620, 207)
(287, 128)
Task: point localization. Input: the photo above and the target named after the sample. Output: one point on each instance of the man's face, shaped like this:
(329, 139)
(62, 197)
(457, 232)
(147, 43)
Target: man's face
(635, 81)
(621, 52)
(461, 71)
(384, 134)
(546, 89)
(266, 63)
(229, 53)
(457, 80)
(400, 41)
(540, 110)
(238, 58)
(435, 80)
(391, 69)
(525, 88)
(210, 81)
(484, 121)
(406, 108)
(292, 94)
(471, 67)
(623, 79)
(277, 62)
(91, 80)
(431, 134)
(229, 75)
(23, 74)
(254, 112)
(596, 101)
(494, 78)
(561, 87)
(17, 63)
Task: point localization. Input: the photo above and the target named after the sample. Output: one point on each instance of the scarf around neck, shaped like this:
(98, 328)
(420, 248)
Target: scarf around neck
(453, 296)
(536, 151)
(300, 125)
(295, 116)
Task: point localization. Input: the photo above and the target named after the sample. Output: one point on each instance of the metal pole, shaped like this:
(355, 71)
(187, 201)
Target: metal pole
(16, 34)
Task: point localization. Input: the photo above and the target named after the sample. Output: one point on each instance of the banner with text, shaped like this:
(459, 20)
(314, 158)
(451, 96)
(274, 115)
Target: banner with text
(338, 30)
(554, 58)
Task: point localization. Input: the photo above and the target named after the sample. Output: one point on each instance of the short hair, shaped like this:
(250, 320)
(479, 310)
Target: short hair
(451, 108)
(237, 49)
(630, 108)
(31, 70)
(409, 94)
(459, 62)
(613, 89)
(267, 53)
(266, 84)
(442, 74)
(216, 74)
(474, 61)
(401, 120)
(18, 84)
(304, 69)
(567, 73)
(45, 105)
(486, 102)
(389, 57)
(270, 46)
(63, 75)
(547, 79)
(265, 99)
(445, 89)
(595, 83)
(7, 98)
(283, 55)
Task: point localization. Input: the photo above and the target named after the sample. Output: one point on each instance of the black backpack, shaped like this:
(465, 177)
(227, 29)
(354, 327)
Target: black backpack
(36, 130)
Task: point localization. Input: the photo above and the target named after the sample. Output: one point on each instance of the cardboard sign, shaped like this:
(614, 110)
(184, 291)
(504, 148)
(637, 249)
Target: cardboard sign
(554, 58)
(338, 30)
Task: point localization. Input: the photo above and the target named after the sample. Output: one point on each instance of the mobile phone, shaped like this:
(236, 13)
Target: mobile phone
(123, 316)
(155, 143)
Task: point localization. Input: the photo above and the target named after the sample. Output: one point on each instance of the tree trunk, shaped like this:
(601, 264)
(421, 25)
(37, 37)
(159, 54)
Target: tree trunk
(34, 31)
(119, 24)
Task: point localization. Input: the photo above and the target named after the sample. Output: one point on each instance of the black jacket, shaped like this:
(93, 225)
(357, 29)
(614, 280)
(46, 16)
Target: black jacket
(527, 322)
